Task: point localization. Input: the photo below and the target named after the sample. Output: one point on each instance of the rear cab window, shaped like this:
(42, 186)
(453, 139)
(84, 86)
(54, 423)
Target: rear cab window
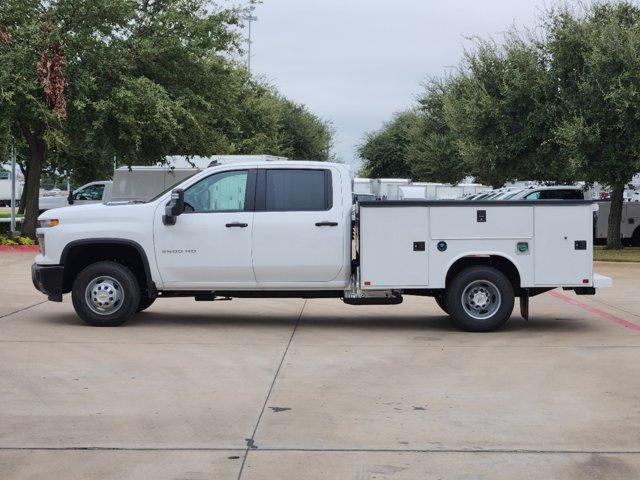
(294, 190)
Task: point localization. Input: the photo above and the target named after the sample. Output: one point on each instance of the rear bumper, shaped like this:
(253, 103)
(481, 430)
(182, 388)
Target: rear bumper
(600, 281)
(48, 279)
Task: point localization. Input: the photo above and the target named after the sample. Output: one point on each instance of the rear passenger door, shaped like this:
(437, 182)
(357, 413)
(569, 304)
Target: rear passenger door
(298, 229)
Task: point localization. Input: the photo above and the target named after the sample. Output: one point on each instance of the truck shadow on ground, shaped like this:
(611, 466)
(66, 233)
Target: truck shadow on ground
(248, 320)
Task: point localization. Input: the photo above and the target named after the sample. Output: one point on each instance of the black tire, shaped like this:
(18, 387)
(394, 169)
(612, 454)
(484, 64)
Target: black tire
(441, 300)
(484, 278)
(145, 302)
(127, 288)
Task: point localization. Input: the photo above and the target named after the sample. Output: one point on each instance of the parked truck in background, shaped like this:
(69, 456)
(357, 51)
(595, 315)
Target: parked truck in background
(93, 192)
(5, 189)
(130, 184)
(285, 229)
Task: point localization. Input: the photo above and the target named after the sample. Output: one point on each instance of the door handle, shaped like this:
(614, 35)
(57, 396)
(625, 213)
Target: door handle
(236, 225)
(326, 224)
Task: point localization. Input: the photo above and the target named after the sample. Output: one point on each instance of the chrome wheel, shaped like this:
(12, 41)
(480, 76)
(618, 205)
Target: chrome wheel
(104, 295)
(481, 299)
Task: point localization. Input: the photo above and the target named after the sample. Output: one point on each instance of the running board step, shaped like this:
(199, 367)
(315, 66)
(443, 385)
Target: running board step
(373, 301)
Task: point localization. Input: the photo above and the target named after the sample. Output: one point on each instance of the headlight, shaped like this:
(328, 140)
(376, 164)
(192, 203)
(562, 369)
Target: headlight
(49, 222)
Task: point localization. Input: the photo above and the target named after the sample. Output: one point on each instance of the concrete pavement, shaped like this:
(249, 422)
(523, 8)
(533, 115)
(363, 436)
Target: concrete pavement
(294, 389)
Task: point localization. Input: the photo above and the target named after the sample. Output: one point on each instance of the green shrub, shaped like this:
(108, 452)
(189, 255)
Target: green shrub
(15, 241)
(25, 240)
(7, 241)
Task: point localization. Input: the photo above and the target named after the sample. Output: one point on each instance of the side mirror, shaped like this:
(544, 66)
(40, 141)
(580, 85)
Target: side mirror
(70, 199)
(174, 208)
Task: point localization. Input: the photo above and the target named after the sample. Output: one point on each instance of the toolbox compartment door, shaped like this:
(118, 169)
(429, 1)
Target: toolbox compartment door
(481, 222)
(394, 244)
(563, 246)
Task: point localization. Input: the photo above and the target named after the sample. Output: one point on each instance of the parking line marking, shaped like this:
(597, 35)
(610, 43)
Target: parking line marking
(251, 441)
(23, 309)
(596, 311)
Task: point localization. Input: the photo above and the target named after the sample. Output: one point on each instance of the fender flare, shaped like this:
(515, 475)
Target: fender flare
(150, 287)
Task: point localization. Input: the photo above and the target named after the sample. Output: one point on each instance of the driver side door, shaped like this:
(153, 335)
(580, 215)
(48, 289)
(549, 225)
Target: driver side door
(210, 244)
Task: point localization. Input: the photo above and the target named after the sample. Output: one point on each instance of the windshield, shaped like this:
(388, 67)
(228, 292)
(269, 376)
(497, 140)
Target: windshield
(168, 189)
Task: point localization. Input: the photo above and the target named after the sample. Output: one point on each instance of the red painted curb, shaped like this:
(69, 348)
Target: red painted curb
(18, 248)
(596, 311)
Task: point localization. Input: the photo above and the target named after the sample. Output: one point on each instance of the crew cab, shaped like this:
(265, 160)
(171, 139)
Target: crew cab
(285, 229)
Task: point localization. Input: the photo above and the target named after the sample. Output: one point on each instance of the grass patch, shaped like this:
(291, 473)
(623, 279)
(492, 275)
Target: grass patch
(8, 215)
(628, 254)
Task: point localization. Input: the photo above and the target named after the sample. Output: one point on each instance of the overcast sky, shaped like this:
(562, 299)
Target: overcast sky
(356, 62)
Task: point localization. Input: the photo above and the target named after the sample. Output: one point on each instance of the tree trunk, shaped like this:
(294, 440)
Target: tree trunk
(615, 217)
(32, 185)
(23, 195)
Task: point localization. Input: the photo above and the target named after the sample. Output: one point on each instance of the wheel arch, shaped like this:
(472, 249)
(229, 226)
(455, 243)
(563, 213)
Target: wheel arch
(501, 263)
(78, 254)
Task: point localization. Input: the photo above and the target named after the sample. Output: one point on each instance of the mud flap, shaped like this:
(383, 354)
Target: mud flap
(524, 304)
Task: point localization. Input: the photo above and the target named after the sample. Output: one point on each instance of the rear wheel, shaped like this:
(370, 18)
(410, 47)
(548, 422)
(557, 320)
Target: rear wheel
(105, 294)
(480, 299)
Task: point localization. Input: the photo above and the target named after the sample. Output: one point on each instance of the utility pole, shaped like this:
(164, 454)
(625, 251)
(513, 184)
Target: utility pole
(13, 189)
(250, 17)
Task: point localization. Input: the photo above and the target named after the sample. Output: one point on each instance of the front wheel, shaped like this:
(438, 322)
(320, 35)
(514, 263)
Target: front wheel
(480, 299)
(105, 294)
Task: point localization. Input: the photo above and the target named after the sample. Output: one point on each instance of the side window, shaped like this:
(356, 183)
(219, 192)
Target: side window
(298, 190)
(533, 196)
(221, 192)
(92, 192)
(562, 195)
(572, 195)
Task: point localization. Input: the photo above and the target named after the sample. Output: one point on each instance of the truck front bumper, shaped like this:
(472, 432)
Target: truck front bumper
(48, 279)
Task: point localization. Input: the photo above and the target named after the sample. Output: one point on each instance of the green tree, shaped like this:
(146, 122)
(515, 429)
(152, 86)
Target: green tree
(433, 153)
(384, 152)
(81, 80)
(594, 58)
(502, 108)
(305, 136)
(263, 121)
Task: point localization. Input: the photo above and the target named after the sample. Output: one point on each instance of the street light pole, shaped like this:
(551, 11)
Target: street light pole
(249, 18)
(13, 189)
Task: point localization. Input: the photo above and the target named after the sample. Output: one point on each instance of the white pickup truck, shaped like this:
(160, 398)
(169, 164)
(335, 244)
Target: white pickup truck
(94, 192)
(285, 229)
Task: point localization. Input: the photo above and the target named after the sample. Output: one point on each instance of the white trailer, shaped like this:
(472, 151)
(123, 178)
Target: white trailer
(412, 192)
(141, 183)
(285, 229)
(5, 189)
(387, 188)
(362, 186)
(629, 223)
(430, 189)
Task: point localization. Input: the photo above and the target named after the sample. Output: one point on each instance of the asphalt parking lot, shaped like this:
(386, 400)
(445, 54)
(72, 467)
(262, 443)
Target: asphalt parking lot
(294, 389)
